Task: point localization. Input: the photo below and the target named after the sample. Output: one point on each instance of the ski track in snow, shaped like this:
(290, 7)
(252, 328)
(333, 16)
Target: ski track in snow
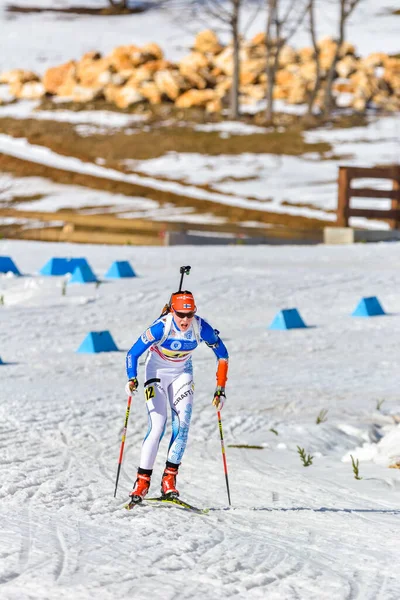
(293, 532)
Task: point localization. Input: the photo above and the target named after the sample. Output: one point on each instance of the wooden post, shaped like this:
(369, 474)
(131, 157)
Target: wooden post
(343, 198)
(395, 204)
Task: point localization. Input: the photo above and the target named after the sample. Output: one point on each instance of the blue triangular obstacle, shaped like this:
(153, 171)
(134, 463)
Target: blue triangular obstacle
(289, 318)
(7, 264)
(368, 307)
(120, 268)
(62, 266)
(1, 362)
(83, 274)
(98, 341)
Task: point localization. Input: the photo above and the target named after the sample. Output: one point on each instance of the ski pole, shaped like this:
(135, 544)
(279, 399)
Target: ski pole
(224, 455)
(121, 452)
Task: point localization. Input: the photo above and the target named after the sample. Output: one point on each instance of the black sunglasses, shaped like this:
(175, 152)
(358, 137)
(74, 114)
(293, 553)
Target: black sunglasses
(182, 315)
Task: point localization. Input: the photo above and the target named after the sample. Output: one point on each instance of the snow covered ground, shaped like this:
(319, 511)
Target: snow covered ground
(38, 41)
(293, 532)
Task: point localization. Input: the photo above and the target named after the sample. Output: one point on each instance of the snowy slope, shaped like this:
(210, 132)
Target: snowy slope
(293, 532)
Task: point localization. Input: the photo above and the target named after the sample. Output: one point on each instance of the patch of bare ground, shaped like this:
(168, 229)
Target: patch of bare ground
(305, 205)
(117, 146)
(153, 141)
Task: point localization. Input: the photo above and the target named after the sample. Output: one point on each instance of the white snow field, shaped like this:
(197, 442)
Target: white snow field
(293, 532)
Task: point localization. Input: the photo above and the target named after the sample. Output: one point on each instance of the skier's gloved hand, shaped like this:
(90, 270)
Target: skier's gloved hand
(219, 397)
(131, 386)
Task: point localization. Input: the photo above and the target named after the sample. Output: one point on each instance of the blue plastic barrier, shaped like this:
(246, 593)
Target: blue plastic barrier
(83, 274)
(98, 341)
(62, 266)
(7, 265)
(368, 307)
(288, 318)
(120, 269)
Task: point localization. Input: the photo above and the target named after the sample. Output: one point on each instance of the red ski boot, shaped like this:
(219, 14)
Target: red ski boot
(140, 488)
(168, 483)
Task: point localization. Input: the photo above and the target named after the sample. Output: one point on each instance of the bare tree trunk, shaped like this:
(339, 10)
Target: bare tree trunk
(346, 8)
(234, 108)
(317, 82)
(279, 31)
(271, 43)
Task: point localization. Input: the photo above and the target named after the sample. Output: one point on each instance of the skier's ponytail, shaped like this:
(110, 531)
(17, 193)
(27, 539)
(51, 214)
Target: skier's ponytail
(165, 310)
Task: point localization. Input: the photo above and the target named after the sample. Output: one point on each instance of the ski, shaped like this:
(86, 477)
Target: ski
(174, 501)
(180, 504)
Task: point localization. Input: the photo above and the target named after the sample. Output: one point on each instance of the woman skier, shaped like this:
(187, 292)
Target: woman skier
(171, 339)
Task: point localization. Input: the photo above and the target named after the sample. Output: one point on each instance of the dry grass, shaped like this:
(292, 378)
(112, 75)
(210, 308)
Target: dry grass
(142, 145)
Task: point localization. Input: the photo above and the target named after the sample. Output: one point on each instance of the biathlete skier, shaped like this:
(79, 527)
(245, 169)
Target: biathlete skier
(171, 339)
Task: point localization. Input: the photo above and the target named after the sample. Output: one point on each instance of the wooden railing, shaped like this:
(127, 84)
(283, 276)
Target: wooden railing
(346, 192)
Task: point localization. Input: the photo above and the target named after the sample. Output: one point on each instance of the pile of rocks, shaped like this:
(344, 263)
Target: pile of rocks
(130, 75)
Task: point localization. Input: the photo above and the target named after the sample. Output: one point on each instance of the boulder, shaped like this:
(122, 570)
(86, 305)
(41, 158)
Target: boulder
(365, 83)
(376, 59)
(94, 71)
(214, 106)
(80, 93)
(253, 93)
(344, 86)
(207, 42)
(308, 72)
(306, 54)
(359, 103)
(59, 77)
(284, 78)
(256, 48)
(195, 98)
(152, 51)
(146, 72)
(170, 83)
(223, 87)
(195, 68)
(18, 76)
(287, 56)
(224, 61)
(124, 58)
(124, 96)
(32, 90)
(251, 69)
(280, 92)
(260, 39)
(346, 66)
(150, 91)
(297, 92)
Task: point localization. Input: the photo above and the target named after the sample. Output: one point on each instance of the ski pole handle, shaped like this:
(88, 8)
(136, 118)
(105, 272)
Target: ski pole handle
(224, 455)
(121, 452)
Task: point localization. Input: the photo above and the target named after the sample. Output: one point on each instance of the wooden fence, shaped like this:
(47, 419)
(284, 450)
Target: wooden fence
(346, 192)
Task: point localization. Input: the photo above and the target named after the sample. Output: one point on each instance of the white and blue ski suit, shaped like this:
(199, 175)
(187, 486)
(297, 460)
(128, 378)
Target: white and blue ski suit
(169, 379)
